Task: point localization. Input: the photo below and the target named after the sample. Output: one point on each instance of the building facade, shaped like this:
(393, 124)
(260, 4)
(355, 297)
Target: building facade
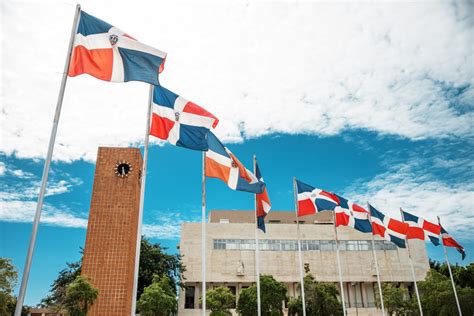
(230, 257)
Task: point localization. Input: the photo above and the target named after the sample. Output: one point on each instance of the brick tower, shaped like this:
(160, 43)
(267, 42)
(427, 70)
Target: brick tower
(109, 254)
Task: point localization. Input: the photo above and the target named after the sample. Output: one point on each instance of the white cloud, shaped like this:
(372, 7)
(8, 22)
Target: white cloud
(420, 194)
(2, 168)
(396, 68)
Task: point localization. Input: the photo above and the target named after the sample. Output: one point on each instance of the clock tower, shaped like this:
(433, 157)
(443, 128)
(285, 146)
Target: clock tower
(109, 253)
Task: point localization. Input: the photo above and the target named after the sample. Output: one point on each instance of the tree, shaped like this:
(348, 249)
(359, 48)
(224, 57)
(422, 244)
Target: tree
(8, 279)
(80, 295)
(295, 306)
(321, 298)
(438, 297)
(219, 301)
(153, 260)
(397, 301)
(158, 299)
(273, 293)
(463, 276)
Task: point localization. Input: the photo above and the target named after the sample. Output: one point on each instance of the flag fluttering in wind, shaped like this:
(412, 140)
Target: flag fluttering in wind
(180, 121)
(263, 202)
(107, 53)
(352, 215)
(391, 229)
(420, 228)
(449, 241)
(222, 164)
(312, 200)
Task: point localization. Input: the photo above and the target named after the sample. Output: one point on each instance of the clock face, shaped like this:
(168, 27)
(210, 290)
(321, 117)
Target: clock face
(122, 169)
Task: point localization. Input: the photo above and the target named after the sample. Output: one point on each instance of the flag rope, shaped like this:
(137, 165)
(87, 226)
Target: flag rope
(257, 250)
(142, 201)
(412, 270)
(44, 179)
(303, 299)
(449, 268)
(376, 265)
(339, 266)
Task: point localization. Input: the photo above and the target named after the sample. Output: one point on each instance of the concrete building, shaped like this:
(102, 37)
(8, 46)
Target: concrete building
(230, 257)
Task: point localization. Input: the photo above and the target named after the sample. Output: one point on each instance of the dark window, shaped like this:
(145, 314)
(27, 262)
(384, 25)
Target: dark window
(189, 297)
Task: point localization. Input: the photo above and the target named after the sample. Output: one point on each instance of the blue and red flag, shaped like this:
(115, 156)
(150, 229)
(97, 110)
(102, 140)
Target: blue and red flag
(352, 215)
(180, 121)
(312, 200)
(222, 164)
(391, 229)
(449, 241)
(420, 228)
(107, 53)
(263, 202)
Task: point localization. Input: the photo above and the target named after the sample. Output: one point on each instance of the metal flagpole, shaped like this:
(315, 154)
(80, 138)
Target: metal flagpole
(142, 198)
(203, 234)
(339, 265)
(449, 268)
(44, 179)
(257, 255)
(376, 266)
(412, 270)
(303, 299)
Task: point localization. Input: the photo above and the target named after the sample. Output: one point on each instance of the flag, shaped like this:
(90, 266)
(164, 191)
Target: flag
(222, 164)
(352, 215)
(263, 202)
(180, 121)
(449, 241)
(312, 200)
(420, 228)
(107, 53)
(388, 228)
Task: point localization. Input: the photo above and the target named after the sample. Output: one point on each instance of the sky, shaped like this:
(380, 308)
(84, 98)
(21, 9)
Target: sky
(373, 101)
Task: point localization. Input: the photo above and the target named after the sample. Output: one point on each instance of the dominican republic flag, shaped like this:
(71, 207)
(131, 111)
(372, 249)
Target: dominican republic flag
(312, 200)
(263, 202)
(388, 228)
(180, 121)
(420, 228)
(105, 52)
(222, 164)
(449, 241)
(352, 215)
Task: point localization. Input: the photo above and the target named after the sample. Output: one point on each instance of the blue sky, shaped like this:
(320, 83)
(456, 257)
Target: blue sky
(371, 101)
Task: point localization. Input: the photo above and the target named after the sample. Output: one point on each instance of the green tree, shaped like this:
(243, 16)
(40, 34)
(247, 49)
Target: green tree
(273, 293)
(438, 297)
(295, 306)
(321, 298)
(219, 301)
(153, 260)
(397, 301)
(80, 295)
(8, 279)
(463, 276)
(158, 299)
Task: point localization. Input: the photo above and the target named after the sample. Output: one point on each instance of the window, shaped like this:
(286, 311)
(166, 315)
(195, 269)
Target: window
(189, 297)
(327, 244)
(364, 245)
(352, 245)
(274, 221)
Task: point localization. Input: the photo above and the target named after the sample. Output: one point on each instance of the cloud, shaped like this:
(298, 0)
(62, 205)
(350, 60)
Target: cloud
(2, 168)
(320, 68)
(420, 193)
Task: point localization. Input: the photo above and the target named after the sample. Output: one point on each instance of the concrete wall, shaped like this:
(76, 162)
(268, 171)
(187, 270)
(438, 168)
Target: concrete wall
(357, 266)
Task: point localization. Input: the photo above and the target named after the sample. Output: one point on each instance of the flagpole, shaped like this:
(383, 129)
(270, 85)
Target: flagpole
(257, 255)
(203, 234)
(142, 198)
(339, 266)
(376, 265)
(44, 179)
(303, 299)
(449, 268)
(412, 270)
